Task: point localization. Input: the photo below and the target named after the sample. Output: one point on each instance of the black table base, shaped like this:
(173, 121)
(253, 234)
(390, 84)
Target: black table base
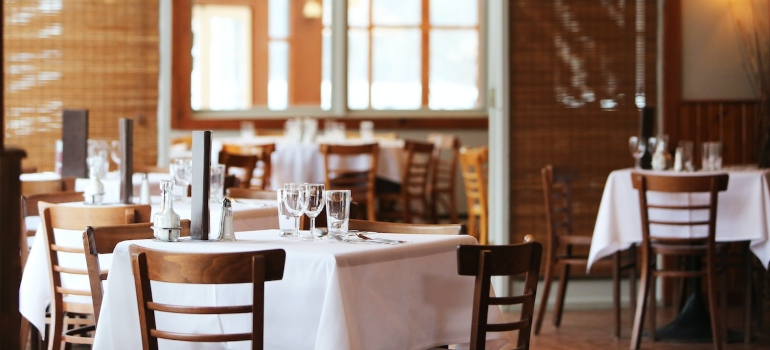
(692, 325)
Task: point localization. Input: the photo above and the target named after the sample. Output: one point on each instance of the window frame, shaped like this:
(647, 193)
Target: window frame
(183, 117)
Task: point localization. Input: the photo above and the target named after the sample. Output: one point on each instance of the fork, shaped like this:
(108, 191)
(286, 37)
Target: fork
(378, 240)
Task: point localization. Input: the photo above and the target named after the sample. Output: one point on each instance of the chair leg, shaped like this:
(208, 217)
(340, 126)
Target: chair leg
(56, 329)
(653, 306)
(560, 294)
(616, 291)
(632, 278)
(748, 293)
(641, 306)
(547, 281)
(716, 329)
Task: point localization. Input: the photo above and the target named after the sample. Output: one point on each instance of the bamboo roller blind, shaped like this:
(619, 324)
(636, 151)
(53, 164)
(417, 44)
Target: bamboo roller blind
(576, 68)
(95, 55)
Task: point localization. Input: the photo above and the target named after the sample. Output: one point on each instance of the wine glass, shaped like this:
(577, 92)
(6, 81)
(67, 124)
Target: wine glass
(216, 182)
(181, 170)
(637, 146)
(292, 198)
(313, 201)
(115, 151)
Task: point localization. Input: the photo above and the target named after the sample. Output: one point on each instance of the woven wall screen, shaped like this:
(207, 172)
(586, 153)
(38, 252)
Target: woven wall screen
(82, 54)
(579, 72)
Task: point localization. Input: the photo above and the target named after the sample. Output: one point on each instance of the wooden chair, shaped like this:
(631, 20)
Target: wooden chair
(566, 249)
(47, 186)
(263, 170)
(400, 227)
(246, 164)
(361, 182)
(411, 201)
(250, 193)
(102, 240)
(473, 166)
(446, 151)
(76, 218)
(503, 260)
(655, 246)
(220, 268)
(29, 208)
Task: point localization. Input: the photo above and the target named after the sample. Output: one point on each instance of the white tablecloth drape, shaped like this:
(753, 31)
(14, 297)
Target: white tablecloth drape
(333, 296)
(35, 289)
(111, 183)
(743, 213)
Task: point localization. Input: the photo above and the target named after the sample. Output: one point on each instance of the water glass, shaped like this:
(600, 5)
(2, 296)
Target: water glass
(292, 197)
(216, 183)
(711, 158)
(686, 155)
(286, 222)
(367, 129)
(337, 212)
(181, 171)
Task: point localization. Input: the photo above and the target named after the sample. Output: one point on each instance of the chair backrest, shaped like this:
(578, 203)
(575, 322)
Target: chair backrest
(473, 166)
(255, 267)
(246, 162)
(419, 159)
(102, 240)
(557, 192)
(686, 213)
(360, 182)
(264, 153)
(505, 260)
(400, 227)
(251, 193)
(47, 186)
(446, 151)
(29, 208)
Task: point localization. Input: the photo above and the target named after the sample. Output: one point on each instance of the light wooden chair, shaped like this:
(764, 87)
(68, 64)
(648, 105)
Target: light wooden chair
(410, 203)
(47, 186)
(263, 170)
(564, 248)
(102, 240)
(656, 247)
(361, 182)
(247, 164)
(400, 227)
(505, 260)
(29, 208)
(446, 151)
(255, 267)
(250, 193)
(473, 165)
(66, 300)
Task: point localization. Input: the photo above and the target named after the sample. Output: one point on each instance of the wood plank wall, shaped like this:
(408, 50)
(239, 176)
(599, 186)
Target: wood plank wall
(730, 121)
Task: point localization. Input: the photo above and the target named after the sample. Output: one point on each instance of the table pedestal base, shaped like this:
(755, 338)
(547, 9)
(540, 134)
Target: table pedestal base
(692, 325)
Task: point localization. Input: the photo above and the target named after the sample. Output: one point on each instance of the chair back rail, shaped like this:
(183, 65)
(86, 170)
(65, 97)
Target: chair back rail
(446, 151)
(399, 227)
(361, 183)
(473, 166)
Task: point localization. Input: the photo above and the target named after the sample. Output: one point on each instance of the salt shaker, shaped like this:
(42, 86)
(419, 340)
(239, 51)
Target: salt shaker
(226, 232)
(166, 222)
(144, 190)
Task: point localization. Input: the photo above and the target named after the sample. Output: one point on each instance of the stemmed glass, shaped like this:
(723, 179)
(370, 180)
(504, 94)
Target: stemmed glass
(314, 197)
(181, 170)
(292, 198)
(639, 145)
(115, 151)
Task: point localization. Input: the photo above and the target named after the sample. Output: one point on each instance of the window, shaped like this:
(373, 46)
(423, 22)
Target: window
(270, 58)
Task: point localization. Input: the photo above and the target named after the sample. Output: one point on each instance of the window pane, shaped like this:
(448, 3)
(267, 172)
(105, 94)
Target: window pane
(358, 69)
(277, 88)
(358, 13)
(326, 70)
(278, 25)
(396, 69)
(221, 76)
(396, 12)
(454, 12)
(454, 72)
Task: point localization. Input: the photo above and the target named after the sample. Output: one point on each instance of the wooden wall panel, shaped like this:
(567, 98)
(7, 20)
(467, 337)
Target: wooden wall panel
(732, 122)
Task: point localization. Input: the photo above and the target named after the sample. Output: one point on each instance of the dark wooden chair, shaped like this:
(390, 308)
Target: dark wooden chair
(446, 152)
(66, 184)
(361, 182)
(246, 162)
(263, 168)
(563, 248)
(655, 246)
(400, 227)
(254, 267)
(102, 240)
(504, 260)
(410, 203)
(77, 218)
(251, 193)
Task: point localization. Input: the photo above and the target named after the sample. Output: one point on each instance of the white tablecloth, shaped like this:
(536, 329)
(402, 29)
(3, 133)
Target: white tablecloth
(35, 289)
(303, 162)
(332, 296)
(743, 213)
(111, 183)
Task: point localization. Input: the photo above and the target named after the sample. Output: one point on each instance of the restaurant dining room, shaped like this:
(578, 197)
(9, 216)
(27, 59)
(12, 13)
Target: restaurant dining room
(385, 174)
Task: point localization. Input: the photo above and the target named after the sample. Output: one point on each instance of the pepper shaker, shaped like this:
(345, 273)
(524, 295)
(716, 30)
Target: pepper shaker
(226, 232)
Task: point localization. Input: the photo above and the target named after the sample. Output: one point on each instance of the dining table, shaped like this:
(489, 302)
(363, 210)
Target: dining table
(743, 215)
(35, 288)
(333, 295)
(111, 183)
(302, 162)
